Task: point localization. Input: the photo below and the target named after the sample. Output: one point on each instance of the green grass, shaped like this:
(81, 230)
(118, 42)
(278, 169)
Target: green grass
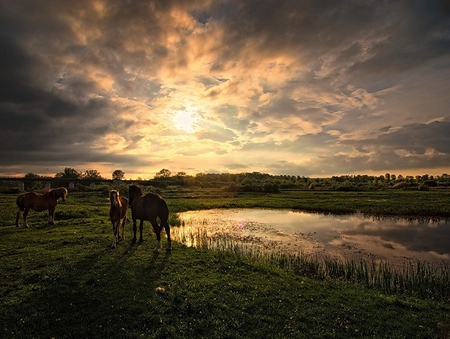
(411, 277)
(423, 204)
(64, 281)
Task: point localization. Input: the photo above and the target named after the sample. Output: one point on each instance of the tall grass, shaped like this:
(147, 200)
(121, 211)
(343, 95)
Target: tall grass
(412, 277)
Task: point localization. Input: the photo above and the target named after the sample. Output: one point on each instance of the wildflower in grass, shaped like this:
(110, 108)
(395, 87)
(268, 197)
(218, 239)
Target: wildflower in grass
(160, 290)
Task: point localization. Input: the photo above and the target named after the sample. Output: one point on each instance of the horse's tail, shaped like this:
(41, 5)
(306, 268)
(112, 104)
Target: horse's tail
(20, 203)
(163, 212)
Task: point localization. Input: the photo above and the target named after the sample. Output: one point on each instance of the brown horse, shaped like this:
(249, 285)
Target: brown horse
(117, 214)
(149, 207)
(39, 202)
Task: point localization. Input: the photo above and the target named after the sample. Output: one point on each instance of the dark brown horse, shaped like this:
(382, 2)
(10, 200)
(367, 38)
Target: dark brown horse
(149, 207)
(39, 202)
(117, 214)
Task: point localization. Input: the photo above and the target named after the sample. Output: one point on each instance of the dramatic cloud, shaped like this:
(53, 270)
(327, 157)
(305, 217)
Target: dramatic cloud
(308, 87)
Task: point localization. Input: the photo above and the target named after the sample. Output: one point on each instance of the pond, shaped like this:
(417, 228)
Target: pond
(352, 236)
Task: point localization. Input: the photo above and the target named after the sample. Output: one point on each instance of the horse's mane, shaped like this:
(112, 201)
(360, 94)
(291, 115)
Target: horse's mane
(114, 191)
(135, 188)
(57, 192)
(114, 196)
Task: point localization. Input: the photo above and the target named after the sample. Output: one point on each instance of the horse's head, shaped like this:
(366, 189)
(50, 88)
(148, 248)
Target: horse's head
(114, 198)
(63, 194)
(133, 192)
(60, 192)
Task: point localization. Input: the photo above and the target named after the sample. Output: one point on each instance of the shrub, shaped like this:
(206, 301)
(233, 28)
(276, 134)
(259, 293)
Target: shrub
(401, 184)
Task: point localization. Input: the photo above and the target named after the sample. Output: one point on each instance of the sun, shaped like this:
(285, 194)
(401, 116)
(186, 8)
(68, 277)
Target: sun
(186, 121)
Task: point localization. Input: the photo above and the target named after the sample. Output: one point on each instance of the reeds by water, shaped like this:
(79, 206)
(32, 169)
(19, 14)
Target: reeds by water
(413, 277)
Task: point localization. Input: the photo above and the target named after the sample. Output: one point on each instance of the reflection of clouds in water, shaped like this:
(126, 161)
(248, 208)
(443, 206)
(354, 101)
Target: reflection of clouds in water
(366, 225)
(421, 237)
(376, 245)
(388, 245)
(353, 235)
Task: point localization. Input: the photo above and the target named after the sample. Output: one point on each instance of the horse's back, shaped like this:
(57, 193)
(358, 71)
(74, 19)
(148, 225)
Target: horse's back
(26, 200)
(35, 201)
(152, 198)
(152, 206)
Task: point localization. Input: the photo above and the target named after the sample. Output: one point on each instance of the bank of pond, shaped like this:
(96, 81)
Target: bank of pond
(403, 255)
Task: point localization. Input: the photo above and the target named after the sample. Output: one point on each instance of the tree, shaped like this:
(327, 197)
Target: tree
(91, 174)
(31, 176)
(32, 185)
(118, 174)
(69, 173)
(164, 173)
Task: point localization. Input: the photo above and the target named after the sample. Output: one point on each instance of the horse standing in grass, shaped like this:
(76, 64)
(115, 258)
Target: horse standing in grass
(39, 202)
(149, 207)
(117, 214)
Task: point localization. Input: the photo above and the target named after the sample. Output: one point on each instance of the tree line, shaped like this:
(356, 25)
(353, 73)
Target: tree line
(263, 182)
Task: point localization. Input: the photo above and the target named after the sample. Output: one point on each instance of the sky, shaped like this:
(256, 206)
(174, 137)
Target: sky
(312, 88)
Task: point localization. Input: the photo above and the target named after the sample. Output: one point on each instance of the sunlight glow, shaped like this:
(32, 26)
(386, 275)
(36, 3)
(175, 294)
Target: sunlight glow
(186, 121)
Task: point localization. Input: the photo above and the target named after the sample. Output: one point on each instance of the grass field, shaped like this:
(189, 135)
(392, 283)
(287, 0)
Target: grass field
(422, 204)
(64, 281)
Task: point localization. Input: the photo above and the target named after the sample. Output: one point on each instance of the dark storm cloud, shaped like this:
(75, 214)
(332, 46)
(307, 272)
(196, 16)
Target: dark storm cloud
(415, 33)
(50, 126)
(415, 138)
(76, 75)
(401, 33)
(278, 26)
(372, 43)
(402, 150)
(47, 116)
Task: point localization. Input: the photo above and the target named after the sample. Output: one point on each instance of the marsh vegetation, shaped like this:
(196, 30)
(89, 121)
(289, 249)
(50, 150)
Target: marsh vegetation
(396, 256)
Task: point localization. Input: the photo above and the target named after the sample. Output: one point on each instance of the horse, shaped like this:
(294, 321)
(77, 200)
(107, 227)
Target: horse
(117, 214)
(149, 207)
(39, 202)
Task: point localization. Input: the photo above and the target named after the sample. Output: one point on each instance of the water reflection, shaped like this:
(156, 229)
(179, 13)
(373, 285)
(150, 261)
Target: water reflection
(348, 236)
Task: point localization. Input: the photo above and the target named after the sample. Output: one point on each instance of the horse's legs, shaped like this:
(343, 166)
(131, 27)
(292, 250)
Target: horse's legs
(166, 226)
(19, 213)
(123, 227)
(141, 227)
(25, 213)
(157, 230)
(51, 212)
(134, 231)
(167, 229)
(115, 225)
